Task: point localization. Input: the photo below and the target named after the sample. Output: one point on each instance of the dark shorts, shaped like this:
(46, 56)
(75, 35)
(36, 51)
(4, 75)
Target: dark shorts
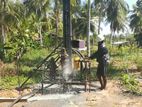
(101, 69)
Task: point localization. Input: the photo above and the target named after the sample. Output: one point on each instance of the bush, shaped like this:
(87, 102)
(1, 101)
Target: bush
(7, 69)
(131, 84)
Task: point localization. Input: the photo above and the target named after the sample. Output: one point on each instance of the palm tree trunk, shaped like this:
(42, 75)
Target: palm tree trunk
(88, 28)
(111, 37)
(40, 35)
(2, 40)
(3, 35)
(100, 15)
(57, 19)
(99, 25)
(93, 40)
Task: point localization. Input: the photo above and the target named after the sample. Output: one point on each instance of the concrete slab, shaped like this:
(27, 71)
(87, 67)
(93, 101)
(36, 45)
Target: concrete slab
(63, 100)
(50, 97)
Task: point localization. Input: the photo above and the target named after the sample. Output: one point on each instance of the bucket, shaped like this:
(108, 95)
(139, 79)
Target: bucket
(76, 63)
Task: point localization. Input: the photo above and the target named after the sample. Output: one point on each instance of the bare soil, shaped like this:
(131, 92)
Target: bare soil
(13, 93)
(113, 96)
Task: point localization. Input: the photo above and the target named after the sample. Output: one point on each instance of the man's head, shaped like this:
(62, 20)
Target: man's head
(100, 38)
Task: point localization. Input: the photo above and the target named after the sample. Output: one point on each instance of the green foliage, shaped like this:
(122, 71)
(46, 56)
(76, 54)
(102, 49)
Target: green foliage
(131, 84)
(48, 40)
(26, 64)
(33, 54)
(136, 22)
(118, 9)
(80, 21)
(129, 79)
(126, 59)
(125, 56)
(138, 62)
(10, 82)
(32, 58)
(113, 72)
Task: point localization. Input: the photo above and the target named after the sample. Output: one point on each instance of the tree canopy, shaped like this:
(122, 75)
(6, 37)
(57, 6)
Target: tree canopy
(34, 23)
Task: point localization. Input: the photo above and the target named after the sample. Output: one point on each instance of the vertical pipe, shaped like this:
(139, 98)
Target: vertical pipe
(66, 27)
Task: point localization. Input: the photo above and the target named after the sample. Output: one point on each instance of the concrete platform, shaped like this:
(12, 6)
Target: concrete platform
(63, 100)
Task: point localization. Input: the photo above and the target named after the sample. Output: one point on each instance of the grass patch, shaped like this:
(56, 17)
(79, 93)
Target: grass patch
(8, 71)
(12, 82)
(34, 56)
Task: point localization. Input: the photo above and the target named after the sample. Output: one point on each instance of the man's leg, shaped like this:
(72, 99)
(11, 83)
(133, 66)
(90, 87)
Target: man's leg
(104, 77)
(101, 82)
(104, 81)
(99, 73)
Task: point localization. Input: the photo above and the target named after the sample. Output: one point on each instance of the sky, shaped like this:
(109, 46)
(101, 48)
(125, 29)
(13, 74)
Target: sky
(106, 29)
(131, 3)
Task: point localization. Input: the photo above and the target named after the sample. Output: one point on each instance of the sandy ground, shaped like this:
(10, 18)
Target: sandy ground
(111, 97)
(13, 93)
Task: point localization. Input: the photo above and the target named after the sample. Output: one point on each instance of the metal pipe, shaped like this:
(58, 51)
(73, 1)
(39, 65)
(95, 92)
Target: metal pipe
(66, 27)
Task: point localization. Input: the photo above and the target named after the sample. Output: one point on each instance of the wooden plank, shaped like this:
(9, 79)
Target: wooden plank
(11, 100)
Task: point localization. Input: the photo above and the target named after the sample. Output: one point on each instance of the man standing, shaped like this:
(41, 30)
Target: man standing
(101, 56)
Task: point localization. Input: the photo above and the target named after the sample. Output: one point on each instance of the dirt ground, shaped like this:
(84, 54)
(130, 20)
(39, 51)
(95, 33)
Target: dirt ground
(113, 96)
(13, 93)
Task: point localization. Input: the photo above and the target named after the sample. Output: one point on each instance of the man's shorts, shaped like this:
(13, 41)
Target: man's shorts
(101, 69)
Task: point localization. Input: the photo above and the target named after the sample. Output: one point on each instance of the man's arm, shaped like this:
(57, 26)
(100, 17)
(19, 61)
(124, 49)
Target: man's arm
(94, 55)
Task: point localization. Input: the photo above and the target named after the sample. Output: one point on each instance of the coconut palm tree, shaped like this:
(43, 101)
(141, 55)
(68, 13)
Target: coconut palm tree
(136, 22)
(80, 22)
(136, 18)
(99, 9)
(8, 17)
(88, 28)
(39, 8)
(116, 12)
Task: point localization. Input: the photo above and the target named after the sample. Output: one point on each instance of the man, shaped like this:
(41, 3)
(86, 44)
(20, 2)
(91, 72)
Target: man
(101, 56)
